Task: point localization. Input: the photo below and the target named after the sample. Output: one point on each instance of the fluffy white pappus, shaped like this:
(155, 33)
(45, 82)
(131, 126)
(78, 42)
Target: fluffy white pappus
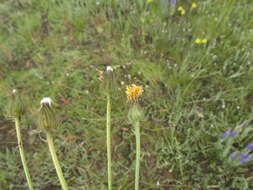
(109, 69)
(46, 100)
(14, 91)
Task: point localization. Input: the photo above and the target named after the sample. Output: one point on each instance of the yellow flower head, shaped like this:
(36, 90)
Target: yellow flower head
(180, 8)
(133, 92)
(183, 12)
(150, 1)
(194, 5)
(198, 41)
(204, 41)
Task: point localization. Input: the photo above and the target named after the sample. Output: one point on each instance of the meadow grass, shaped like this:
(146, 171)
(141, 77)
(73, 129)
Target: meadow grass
(193, 92)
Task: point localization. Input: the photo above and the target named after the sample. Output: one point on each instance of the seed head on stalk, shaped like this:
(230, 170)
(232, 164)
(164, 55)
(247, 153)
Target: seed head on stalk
(48, 122)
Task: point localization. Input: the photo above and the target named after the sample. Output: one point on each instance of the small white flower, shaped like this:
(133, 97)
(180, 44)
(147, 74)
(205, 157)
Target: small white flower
(46, 100)
(109, 69)
(14, 91)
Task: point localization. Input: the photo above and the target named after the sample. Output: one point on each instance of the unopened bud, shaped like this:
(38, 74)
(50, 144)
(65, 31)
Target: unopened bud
(47, 118)
(16, 107)
(109, 69)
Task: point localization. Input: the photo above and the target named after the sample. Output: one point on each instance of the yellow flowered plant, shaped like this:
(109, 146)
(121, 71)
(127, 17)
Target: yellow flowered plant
(133, 92)
(204, 41)
(198, 41)
(135, 116)
(194, 5)
(181, 10)
(150, 1)
(201, 41)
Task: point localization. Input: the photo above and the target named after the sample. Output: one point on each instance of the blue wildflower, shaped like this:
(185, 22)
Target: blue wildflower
(250, 147)
(230, 133)
(234, 155)
(173, 2)
(242, 125)
(234, 133)
(226, 135)
(245, 157)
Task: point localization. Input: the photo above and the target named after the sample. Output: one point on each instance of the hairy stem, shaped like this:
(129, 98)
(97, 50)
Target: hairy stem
(138, 155)
(22, 154)
(56, 161)
(108, 141)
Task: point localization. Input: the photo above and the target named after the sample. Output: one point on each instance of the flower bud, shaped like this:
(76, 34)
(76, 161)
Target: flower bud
(16, 107)
(47, 119)
(109, 78)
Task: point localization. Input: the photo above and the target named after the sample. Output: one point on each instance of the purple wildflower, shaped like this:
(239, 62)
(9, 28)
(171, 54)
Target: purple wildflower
(234, 155)
(233, 133)
(226, 135)
(230, 133)
(173, 2)
(245, 157)
(250, 147)
(242, 125)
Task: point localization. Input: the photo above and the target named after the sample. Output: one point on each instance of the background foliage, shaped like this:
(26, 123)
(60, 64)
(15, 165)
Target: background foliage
(193, 92)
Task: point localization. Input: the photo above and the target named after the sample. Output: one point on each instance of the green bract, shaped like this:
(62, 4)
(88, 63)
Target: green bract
(135, 114)
(47, 118)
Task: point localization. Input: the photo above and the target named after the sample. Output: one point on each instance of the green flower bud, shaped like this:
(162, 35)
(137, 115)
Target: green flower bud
(109, 78)
(47, 119)
(16, 107)
(135, 114)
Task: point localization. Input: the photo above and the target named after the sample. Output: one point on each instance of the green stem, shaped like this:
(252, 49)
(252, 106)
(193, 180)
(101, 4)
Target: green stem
(108, 141)
(22, 154)
(56, 161)
(138, 155)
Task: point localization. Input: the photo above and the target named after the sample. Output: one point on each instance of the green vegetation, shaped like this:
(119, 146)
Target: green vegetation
(193, 92)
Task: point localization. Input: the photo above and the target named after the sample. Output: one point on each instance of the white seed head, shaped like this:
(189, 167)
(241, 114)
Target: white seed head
(109, 69)
(46, 100)
(14, 91)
